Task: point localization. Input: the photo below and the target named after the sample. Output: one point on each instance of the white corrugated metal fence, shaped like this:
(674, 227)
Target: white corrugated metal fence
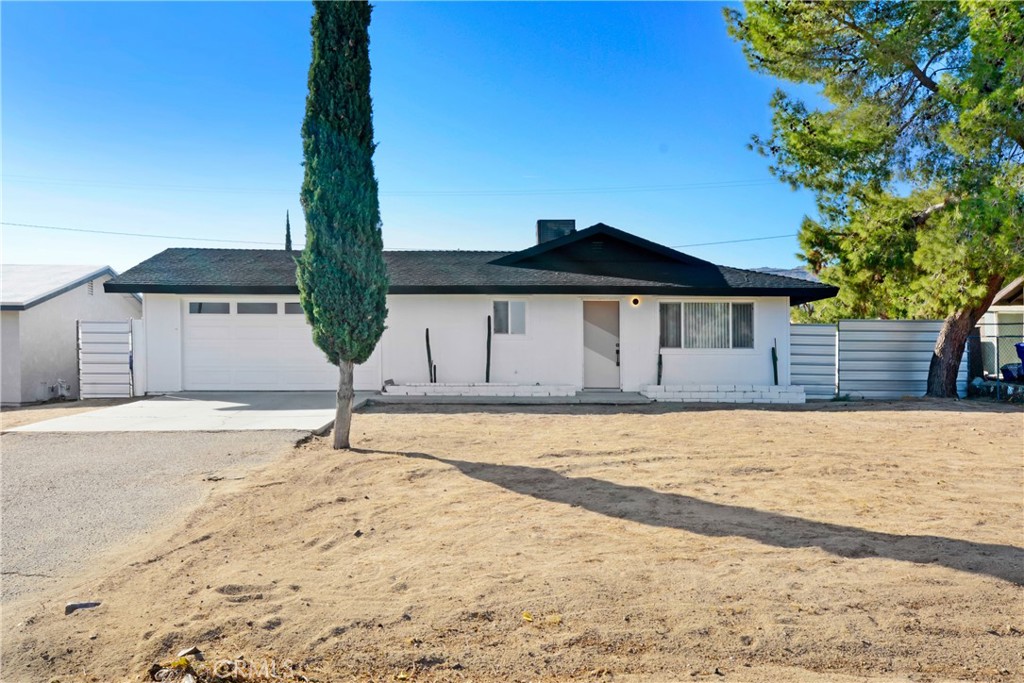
(813, 359)
(880, 359)
(105, 358)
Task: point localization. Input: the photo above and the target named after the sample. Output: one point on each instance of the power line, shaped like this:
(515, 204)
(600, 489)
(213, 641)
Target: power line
(705, 185)
(131, 234)
(208, 239)
(749, 239)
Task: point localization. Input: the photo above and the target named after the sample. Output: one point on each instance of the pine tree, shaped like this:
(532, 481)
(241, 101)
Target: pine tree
(915, 161)
(341, 273)
(287, 233)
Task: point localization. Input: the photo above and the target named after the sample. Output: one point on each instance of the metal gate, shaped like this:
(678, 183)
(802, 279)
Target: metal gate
(105, 359)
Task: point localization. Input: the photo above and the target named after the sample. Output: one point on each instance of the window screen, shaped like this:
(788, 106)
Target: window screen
(293, 309)
(706, 325)
(743, 326)
(202, 307)
(260, 308)
(509, 317)
(517, 317)
(670, 326)
(500, 317)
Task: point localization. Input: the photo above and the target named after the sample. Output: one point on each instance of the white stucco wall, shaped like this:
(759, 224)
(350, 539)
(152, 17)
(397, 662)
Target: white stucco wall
(48, 336)
(550, 353)
(161, 315)
(10, 358)
(735, 366)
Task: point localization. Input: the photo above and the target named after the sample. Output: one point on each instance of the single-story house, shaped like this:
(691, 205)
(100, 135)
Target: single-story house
(38, 313)
(597, 308)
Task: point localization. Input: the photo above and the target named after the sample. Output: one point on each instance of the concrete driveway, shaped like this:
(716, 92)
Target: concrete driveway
(205, 411)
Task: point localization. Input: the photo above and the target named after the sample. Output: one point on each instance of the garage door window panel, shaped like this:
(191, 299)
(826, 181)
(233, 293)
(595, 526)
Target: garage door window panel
(256, 308)
(209, 307)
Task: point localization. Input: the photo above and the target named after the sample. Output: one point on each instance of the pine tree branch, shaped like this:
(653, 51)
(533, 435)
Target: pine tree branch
(918, 72)
(921, 217)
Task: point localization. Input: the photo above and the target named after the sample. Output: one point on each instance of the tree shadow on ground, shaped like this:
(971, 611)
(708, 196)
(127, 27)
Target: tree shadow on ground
(655, 508)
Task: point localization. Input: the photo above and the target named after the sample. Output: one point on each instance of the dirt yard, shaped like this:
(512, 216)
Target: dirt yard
(837, 542)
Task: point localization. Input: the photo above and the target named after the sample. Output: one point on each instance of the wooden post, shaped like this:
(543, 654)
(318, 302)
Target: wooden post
(431, 368)
(487, 373)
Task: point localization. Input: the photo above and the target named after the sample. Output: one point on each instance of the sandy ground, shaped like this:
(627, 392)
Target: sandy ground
(20, 416)
(841, 542)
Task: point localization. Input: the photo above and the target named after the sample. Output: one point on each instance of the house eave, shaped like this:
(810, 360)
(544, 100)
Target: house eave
(795, 295)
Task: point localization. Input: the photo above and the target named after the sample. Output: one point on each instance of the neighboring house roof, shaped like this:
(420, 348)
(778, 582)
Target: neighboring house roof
(1010, 295)
(798, 273)
(598, 260)
(25, 286)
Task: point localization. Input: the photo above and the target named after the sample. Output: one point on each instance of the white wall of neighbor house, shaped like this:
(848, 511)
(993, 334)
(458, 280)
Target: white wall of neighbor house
(10, 358)
(49, 336)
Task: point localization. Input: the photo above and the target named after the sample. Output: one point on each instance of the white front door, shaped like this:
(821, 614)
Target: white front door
(601, 345)
(260, 345)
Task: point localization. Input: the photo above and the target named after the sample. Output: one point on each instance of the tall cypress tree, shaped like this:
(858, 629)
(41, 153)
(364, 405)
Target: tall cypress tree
(287, 233)
(341, 274)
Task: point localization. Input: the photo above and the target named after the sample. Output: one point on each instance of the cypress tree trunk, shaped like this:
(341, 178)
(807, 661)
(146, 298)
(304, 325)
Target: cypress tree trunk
(949, 347)
(343, 412)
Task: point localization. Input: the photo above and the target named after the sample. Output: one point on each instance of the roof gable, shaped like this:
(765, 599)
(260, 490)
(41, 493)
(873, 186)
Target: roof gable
(607, 251)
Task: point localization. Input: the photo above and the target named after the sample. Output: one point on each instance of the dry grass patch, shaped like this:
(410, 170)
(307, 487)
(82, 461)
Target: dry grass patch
(834, 542)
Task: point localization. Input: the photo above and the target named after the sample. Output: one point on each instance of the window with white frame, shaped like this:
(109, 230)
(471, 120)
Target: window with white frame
(707, 325)
(509, 317)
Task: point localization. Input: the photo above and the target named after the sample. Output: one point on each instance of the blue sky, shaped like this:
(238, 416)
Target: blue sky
(183, 120)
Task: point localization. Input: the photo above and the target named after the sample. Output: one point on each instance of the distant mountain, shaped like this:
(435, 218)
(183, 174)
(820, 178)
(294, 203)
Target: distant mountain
(798, 273)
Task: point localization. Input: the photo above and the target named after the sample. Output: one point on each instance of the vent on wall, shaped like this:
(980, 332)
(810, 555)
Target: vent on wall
(551, 229)
(90, 287)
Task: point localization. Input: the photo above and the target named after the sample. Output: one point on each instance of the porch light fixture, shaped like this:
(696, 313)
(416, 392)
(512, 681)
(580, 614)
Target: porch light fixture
(635, 301)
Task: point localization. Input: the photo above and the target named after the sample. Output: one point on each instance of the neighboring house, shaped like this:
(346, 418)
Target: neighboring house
(38, 313)
(1002, 326)
(594, 309)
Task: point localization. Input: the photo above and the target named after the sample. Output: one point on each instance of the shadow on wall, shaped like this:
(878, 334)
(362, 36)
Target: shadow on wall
(686, 513)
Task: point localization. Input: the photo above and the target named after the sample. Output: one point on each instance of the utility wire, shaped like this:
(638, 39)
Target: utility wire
(708, 185)
(207, 239)
(132, 234)
(749, 239)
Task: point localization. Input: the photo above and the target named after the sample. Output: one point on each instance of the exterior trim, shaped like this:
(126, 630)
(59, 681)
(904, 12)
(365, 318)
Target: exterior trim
(796, 295)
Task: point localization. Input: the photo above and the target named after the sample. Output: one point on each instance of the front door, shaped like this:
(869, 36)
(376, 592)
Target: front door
(601, 345)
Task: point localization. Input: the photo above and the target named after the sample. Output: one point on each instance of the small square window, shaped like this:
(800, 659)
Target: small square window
(209, 307)
(293, 308)
(257, 308)
(509, 317)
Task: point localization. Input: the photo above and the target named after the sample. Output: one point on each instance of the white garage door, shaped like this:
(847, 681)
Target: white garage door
(258, 344)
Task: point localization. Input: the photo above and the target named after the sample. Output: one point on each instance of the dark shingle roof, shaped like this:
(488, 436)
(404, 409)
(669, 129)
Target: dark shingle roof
(265, 271)
(597, 260)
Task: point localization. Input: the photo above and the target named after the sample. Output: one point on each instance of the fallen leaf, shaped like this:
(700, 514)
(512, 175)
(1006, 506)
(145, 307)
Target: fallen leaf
(527, 616)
